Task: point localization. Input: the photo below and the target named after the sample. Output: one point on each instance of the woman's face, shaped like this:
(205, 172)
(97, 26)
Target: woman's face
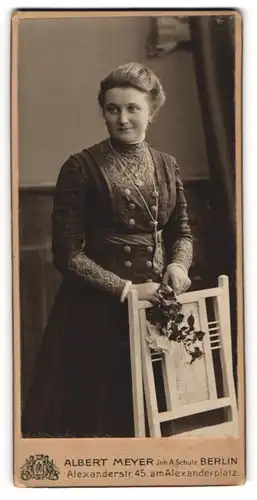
(126, 113)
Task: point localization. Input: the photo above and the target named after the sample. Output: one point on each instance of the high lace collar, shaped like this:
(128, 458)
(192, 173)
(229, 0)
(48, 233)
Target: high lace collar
(122, 147)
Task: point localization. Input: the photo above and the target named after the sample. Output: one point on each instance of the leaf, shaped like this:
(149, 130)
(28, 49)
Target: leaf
(199, 335)
(198, 354)
(191, 320)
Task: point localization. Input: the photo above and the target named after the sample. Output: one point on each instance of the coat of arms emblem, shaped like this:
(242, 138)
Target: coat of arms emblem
(39, 467)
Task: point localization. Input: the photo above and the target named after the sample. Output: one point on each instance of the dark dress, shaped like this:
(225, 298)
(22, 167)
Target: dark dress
(102, 235)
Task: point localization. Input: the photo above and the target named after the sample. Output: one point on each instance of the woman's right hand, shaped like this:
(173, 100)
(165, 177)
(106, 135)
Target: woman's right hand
(147, 291)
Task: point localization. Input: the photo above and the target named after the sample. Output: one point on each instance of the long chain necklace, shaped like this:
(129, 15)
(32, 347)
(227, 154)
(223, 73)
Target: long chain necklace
(155, 195)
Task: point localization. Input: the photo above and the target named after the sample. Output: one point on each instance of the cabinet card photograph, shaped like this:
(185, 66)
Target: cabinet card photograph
(127, 248)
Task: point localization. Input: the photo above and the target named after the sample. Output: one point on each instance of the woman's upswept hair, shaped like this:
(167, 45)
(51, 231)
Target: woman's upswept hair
(134, 75)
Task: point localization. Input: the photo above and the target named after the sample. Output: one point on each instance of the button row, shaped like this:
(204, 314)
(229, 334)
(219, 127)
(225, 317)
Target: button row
(152, 223)
(127, 249)
(148, 264)
(127, 191)
(132, 206)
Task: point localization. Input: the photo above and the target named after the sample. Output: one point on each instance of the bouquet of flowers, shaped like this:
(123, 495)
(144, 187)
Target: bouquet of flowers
(169, 321)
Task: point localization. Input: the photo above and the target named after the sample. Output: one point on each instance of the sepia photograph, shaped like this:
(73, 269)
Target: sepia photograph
(127, 234)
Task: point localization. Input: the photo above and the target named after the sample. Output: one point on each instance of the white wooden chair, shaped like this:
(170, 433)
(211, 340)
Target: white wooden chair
(206, 385)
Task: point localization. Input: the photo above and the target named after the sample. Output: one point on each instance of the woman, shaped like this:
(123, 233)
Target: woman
(119, 221)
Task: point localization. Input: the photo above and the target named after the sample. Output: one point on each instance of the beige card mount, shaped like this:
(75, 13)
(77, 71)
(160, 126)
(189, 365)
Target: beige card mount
(185, 359)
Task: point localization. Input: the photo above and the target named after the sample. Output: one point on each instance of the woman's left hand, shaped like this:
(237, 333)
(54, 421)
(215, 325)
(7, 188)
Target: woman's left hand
(177, 278)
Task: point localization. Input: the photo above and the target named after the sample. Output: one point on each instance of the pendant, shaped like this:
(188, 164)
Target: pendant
(155, 194)
(138, 182)
(158, 260)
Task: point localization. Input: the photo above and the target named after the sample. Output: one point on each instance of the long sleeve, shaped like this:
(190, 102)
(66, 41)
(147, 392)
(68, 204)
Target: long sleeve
(68, 232)
(177, 234)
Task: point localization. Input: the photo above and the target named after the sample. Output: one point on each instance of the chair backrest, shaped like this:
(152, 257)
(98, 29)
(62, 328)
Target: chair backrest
(202, 390)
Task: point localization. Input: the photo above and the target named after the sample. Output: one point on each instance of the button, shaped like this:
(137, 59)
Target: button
(131, 222)
(155, 194)
(132, 206)
(153, 223)
(154, 209)
(127, 249)
(128, 263)
(149, 280)
(148, 264)
(127, 192)
(149, 249)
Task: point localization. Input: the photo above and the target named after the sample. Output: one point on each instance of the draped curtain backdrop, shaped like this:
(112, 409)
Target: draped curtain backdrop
(213, 45)
(214, 55)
